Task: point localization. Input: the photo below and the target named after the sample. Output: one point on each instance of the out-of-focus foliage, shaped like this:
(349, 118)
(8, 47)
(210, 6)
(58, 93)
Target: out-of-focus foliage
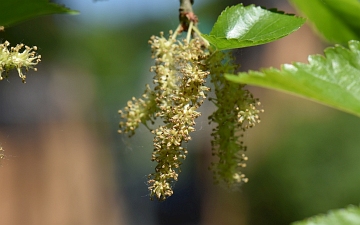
(311, 168)
(348, 216)
(336, 20)
(15, 11)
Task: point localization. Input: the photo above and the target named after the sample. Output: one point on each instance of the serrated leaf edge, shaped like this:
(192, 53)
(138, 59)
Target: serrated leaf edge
(285, 67)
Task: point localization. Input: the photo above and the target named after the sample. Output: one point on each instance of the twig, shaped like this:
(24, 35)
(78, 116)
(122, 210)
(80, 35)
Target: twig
(186, 14)
(188, 21)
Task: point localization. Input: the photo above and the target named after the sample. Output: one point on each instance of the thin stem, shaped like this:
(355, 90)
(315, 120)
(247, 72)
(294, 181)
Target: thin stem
(147, 126)
(177, 31)
(188, 36)
(188, 21)
(186, 14)
(197, 31)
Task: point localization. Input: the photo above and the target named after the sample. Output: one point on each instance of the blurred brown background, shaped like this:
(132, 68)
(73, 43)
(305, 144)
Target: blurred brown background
(65, 163)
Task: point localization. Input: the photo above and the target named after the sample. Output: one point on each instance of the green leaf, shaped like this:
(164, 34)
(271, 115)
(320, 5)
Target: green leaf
(240, 26)
(333, 80)
(15, 11)
(348, 216)
(336, 20)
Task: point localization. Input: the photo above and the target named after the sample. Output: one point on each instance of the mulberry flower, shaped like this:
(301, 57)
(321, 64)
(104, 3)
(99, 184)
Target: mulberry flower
(138, 111)
(181, 69)
(178, 93)
(18, 57)
(236, 112)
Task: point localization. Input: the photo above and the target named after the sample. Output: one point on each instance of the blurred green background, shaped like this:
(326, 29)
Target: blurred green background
(66, 164)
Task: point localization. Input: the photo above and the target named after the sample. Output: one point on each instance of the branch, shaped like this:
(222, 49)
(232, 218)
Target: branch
(186, 14)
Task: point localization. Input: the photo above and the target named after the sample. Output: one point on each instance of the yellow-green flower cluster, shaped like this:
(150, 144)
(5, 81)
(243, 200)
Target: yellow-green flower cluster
(178, 93)
(18, 57)
(236, 112)
(2, 155)
(181, 68)
(138, 111)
